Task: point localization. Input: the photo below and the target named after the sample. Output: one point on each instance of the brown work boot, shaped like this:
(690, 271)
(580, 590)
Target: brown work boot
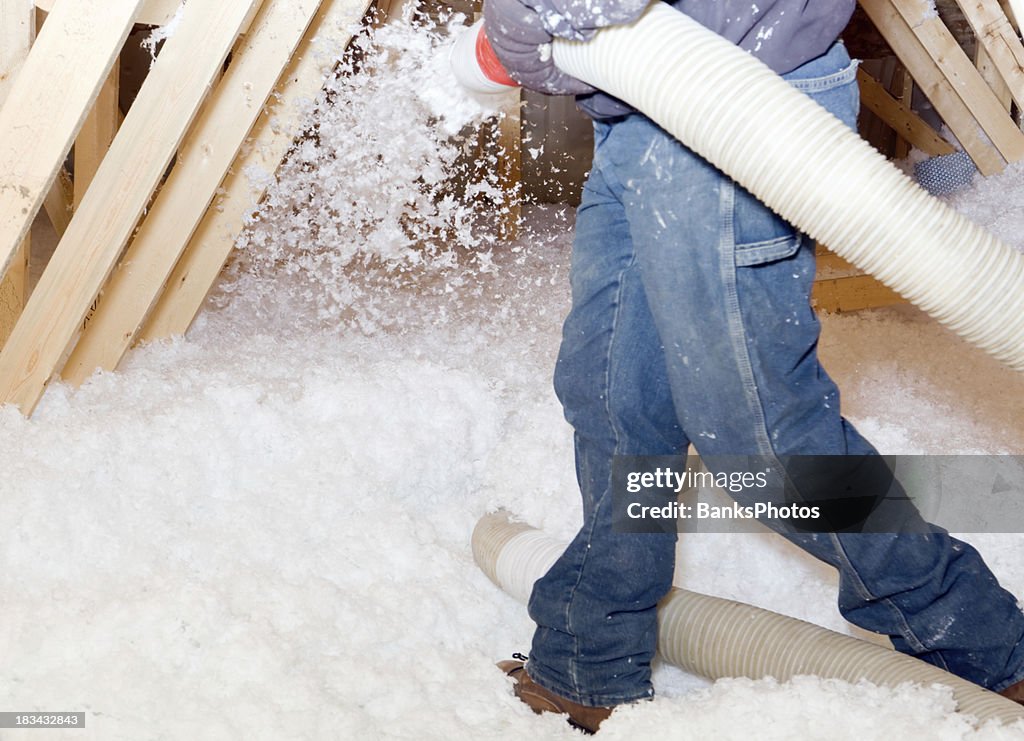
(1014, 692)
(543, 700)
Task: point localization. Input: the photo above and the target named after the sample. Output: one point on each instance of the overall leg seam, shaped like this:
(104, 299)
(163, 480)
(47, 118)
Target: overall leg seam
(737, 332)
(617, 435)
(906, 631)
(738, 337)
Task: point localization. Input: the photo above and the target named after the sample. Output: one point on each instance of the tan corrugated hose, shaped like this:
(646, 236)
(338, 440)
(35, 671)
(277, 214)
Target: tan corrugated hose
(718, 638)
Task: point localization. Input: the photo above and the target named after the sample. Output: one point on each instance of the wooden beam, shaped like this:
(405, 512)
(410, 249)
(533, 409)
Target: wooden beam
(62, 75)
(394, 10)
(871, 128)
(963, 75)
(59, 203)
(991, 75)
(852, 293)
(204, 157)
(510, 167)
(905, 95)
(841, 286)
(1014, 10)
(93, 141)
(897, 115)
(829, 262)
(17, 29)
(138, 158)
(96, 135)
(999, 41)
(152, 12)
(270, 141)
(934, 84)
(14, 291)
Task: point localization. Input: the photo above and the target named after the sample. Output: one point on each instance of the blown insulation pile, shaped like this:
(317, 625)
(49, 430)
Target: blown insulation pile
(261, 530)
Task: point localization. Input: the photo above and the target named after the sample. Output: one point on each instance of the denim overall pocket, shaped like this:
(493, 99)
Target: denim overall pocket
(761, 235)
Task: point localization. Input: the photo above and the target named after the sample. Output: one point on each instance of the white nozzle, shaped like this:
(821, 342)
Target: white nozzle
(465, 62)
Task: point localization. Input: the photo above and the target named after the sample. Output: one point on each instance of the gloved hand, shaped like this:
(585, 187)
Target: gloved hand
(521, 32)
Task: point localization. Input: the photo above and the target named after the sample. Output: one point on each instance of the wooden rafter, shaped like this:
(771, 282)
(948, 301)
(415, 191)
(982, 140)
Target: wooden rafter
(932, 80)
(50, 98)
(201, 164)
(964, 77)
(900, 117)
(17, 29)
(101, 226)
(271, 138)
(96, 135)
(152, 12)
(1001, 45)
(59, 202)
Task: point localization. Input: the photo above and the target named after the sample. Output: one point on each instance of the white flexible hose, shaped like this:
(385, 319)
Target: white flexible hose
(719, 638)
(807, 166)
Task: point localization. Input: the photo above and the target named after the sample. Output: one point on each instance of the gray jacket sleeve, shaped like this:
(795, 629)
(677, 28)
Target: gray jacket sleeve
(521, 32)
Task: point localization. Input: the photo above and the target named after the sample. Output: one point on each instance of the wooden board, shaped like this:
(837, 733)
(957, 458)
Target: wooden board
(211, 145)
(896, 114)
(93, 141)
(510, 166)
(145, 144)
(1000, 44)
(59, 203)
(152, 12)
(1014, 10)
(96, 135)
(17, 29)
(62, 75)
(905, 95)
(852, 293)
(934, 84)
(842, 286)
(964, 77)
(831, 265)
(991, 75)
(270, 141)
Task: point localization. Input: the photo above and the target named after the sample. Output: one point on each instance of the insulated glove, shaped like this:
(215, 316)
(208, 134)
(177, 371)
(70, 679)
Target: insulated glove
(521, 32)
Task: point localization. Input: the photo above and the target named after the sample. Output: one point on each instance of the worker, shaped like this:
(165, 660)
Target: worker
(691, 324)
